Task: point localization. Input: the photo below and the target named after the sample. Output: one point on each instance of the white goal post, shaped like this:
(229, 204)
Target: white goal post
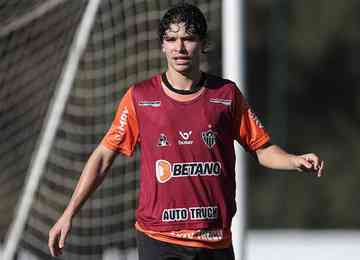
(233, 68)
(77, 106)
(51, 124)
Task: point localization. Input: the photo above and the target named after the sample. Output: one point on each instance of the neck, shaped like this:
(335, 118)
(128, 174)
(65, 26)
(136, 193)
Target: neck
(183, 81)
(195, 86)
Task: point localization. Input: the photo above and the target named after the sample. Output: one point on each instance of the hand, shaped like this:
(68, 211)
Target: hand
(309, 163)
(58, 234)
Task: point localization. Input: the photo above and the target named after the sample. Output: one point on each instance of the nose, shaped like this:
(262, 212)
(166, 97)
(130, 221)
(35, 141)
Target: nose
(180, 47)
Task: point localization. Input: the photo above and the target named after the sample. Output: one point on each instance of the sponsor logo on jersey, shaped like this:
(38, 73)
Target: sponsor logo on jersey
(120, 129)
(201, 213)
(176, 214)
(150, 103)
(209, 138)
(165, 170)
(254, 117)
(225, 102)
(163, 141)
(195, 213)
(204, 235)
(185, 138)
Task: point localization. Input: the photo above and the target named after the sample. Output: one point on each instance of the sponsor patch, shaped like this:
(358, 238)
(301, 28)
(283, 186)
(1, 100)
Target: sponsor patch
(185, 136)
(204, 235)
(195, 213)
(150, 103)
(177, 214)
(225, 102)
(201, 213)
(165, 170)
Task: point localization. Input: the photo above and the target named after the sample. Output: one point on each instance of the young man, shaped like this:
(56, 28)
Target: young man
(185, 122)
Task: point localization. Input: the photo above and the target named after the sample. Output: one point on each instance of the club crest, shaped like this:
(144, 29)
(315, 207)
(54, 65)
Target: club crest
(209, 138)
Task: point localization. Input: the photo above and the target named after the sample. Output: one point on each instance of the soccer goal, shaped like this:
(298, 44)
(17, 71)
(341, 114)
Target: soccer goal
(64, 65)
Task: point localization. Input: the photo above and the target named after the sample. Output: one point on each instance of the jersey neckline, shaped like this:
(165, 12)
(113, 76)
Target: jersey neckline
(174, 100)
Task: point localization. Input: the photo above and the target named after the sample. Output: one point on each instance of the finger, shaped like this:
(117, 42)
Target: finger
(62, 238)
(305, 163)
(320, 171)
(316, 162)
(313, 159)
(53, 244)
(56, 249)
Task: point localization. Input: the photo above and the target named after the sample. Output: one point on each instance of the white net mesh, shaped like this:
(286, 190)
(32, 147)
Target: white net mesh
(31, 59)
(123, 48)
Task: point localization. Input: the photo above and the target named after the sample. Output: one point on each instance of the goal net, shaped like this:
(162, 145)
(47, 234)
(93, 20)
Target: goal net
(35, 43)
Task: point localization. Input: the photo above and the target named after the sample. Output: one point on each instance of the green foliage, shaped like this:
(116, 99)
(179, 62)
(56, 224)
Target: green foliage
(323, 114)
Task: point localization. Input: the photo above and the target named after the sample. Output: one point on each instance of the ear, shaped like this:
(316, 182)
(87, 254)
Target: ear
(204, 46)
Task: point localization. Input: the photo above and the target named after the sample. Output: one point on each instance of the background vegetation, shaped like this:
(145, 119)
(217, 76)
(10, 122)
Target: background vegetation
(303, 80)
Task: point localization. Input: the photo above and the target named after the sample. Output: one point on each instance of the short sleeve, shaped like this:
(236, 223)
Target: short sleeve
(248, 130)
(124, 131)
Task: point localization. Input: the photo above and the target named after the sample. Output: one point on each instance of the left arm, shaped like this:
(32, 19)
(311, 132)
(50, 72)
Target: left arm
(276, 158)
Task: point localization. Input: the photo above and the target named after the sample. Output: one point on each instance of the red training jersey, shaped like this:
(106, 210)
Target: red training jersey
(187, 179)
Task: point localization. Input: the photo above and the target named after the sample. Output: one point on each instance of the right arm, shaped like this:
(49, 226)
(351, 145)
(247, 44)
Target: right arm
(120, 138)
(92, 176)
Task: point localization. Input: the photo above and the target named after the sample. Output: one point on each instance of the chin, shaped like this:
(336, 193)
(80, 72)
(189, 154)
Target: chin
(182, 68)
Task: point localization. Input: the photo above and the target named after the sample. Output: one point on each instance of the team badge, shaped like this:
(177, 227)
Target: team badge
(163, 141)
(209, 138)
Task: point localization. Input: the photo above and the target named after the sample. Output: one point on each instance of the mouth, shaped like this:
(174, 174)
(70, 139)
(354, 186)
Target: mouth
(182, 60)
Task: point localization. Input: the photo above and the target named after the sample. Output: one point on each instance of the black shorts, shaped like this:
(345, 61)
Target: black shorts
(152, 249)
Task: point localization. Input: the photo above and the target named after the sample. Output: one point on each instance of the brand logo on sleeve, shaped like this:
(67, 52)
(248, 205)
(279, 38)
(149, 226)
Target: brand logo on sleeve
(165, 170)
(121, 128)
(254, 117)
(123, 119)
(209, 138)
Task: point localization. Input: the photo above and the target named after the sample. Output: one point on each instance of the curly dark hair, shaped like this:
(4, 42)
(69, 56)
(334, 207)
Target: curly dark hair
(190, 15)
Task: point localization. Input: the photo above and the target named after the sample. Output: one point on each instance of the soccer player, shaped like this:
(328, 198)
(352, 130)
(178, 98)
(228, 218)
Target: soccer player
(185, 122)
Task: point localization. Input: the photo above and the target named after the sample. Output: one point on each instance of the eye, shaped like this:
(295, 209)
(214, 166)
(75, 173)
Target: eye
(189, 38)
(169, 39)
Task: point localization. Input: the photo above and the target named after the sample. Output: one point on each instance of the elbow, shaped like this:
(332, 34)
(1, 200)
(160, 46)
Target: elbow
(260, 157)
(261, 161)
(104, 160)
(264, 153)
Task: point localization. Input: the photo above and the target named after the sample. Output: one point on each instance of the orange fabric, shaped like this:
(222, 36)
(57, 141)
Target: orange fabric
(190, 238)
(248, 129)
(124, 131)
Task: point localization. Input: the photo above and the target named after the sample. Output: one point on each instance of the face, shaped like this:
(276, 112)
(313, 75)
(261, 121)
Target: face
(182, 50)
